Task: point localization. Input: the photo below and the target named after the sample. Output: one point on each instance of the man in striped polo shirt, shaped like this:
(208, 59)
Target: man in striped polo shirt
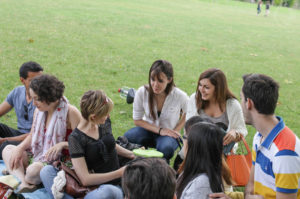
(276, 149)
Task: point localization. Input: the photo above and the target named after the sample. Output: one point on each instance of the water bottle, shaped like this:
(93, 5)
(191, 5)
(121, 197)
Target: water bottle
(127, 93)
(123, 91)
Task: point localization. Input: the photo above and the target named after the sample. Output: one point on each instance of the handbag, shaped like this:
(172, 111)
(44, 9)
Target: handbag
(5, 191)
(240, 165)
(73, 186)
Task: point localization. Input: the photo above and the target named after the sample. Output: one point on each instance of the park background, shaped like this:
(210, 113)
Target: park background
(96, 44)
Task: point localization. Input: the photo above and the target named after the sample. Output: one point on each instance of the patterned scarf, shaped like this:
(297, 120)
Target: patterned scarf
(56, 131)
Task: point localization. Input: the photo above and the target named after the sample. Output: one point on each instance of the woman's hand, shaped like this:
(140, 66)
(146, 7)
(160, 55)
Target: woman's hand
(229, 137)
(169, 132)
(124, 152)
(131, 156)
(218, 195)
(53, 152)
(122, 169)
(16, 159)
(253, 196)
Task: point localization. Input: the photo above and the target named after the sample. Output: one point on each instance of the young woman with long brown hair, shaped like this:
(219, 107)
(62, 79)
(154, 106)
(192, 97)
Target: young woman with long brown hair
(159, 111)
(215, 101)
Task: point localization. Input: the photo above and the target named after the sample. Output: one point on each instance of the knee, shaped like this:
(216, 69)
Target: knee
(168, 151)
(46, 171)
(8, 148)
(33, 173)
(2, 146)
(127, 134)
(132, 134)
(7, 152)
(109, 191)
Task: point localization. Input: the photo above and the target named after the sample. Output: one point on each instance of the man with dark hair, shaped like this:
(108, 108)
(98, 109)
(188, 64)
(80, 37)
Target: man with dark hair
(149, 178)
(21, 101)
(275, 172)
(276, 149)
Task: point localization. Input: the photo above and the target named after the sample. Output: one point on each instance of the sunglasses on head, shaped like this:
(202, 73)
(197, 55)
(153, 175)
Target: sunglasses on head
(26, 112)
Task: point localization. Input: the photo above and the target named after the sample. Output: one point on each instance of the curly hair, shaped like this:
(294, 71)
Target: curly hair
(48, 88)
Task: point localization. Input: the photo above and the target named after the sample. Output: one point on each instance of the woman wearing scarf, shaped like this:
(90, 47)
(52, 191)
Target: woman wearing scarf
(53, 120)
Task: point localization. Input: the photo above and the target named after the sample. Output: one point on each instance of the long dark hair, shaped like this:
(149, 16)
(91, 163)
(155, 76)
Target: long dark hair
(159, 66)
(222, 92)
(204, 155)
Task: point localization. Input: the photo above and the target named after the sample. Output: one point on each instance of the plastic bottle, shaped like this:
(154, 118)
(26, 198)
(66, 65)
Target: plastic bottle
(123, 91)
(127, 93)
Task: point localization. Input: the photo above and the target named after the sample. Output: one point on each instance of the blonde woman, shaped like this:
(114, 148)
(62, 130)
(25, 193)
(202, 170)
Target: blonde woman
(93, 150)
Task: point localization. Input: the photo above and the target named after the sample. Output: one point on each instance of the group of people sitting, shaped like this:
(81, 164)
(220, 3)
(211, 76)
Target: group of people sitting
(50, 129)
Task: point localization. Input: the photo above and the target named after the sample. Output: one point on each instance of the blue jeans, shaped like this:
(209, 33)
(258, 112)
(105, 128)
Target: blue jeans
(104, 191)
(165, 144)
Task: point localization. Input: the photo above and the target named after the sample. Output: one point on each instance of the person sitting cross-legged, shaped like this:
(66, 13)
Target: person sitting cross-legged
(159, 110)
(53, 121)
(94, 152)
(19, 99)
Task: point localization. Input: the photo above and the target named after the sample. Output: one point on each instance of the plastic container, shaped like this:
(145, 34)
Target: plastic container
(127, 93)
(124, 91)
(148, 153)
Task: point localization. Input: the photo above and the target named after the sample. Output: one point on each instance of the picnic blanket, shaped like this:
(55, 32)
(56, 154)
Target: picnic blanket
(38, 194)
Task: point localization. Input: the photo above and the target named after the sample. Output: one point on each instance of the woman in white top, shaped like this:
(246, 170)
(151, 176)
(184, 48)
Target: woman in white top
(215, 101)
(159, 111)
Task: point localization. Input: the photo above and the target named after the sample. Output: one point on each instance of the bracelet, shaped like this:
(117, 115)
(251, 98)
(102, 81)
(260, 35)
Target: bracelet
(238, 136)
(159, 130)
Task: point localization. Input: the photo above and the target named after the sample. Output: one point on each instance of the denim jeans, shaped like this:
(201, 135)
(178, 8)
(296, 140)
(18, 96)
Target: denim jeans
(104, 191)
(165, 144)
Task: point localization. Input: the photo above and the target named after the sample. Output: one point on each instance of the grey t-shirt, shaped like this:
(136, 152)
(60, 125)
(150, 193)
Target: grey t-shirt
(24, 111)
(198, 188)
(221, 119)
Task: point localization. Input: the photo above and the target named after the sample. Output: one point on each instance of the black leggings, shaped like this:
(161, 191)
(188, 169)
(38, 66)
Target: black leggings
(6, 131)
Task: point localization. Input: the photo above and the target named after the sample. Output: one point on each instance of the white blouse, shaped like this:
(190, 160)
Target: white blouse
(175, 101)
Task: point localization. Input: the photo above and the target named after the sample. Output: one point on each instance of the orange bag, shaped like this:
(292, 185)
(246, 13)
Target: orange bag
(240, 165)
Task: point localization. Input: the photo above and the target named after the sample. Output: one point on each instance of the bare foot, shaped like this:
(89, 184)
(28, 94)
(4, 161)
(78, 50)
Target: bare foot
(5, 172)
(25, 188)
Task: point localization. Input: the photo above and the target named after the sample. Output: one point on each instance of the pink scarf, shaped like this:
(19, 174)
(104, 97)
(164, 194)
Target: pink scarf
(56, 132)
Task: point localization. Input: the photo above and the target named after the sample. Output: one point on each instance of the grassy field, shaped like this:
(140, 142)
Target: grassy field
(108, 44)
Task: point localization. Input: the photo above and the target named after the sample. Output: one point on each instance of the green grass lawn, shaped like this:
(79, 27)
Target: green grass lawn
(96, 44)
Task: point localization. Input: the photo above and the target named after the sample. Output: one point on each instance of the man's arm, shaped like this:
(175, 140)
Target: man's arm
(249, 189)
(5, 107)
(280, 195)
(19, 138)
